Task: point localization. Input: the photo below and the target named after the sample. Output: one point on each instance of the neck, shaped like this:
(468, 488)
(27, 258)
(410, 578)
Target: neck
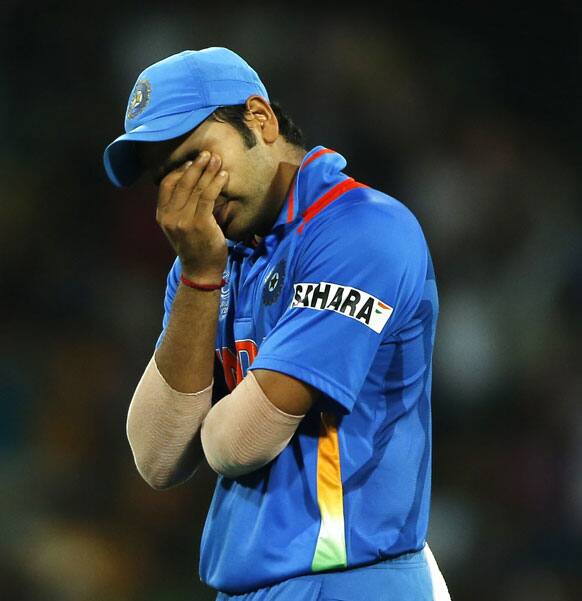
(281, 183)
(286, 171)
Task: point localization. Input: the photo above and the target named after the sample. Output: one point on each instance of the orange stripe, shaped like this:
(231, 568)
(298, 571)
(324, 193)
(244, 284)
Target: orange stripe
(316, 155)
(384, 306)
(291, 205)
(331, 195)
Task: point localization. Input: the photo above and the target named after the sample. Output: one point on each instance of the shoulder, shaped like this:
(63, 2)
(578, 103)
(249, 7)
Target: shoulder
(366, 220)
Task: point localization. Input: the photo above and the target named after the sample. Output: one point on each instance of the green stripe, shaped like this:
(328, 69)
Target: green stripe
(330, 552)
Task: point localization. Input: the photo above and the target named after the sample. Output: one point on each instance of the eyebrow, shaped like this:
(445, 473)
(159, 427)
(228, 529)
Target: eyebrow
(171, 165)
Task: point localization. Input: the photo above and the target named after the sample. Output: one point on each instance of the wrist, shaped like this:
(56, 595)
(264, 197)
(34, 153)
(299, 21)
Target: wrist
(198, 285)
(207, 277)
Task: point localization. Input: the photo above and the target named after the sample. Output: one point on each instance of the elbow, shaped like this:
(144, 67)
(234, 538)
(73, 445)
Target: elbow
(228, 459)
(161, 468)
(231, 468)
(151, 470)
(159, 481)
(162, 477)
(159, 476)
(151, 467)
(154, 475)
(154, 480)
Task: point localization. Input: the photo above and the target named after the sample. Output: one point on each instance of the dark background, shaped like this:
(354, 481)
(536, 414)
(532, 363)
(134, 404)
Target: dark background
(467, 113)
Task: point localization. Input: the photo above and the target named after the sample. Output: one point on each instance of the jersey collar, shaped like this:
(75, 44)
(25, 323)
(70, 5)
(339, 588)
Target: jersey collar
(319, 170)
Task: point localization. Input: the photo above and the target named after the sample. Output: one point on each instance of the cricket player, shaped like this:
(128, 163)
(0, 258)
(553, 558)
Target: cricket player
(296, 349)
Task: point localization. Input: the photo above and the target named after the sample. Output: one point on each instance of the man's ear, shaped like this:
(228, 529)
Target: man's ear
(260, 116)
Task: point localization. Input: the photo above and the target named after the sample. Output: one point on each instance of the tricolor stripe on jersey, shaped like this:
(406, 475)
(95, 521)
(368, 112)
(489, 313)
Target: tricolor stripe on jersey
(330, 551)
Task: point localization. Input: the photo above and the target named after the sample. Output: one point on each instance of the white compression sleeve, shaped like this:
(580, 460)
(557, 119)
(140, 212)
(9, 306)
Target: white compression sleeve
(162, 428)
(244, 430)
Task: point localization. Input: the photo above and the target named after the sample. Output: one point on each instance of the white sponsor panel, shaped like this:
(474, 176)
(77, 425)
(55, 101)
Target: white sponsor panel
(345, 300)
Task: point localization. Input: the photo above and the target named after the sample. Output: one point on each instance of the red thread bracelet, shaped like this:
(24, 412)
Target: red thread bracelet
(206, 287)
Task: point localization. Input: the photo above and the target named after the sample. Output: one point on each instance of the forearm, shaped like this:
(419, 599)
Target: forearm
(174, 393)
(185, 357)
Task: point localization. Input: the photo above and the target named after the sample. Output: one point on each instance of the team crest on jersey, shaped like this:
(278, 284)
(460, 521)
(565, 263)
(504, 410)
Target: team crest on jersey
(140, 98)
(351, 302)
(274, 283)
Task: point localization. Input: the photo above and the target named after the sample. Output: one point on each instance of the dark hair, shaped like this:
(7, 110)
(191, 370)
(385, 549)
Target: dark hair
(235, 116)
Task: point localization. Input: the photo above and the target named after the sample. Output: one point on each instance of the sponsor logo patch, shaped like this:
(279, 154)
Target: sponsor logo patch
(348, 301)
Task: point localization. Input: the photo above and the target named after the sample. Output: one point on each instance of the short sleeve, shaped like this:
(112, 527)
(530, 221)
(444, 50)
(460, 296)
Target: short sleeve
(172, 283)
(358, 279)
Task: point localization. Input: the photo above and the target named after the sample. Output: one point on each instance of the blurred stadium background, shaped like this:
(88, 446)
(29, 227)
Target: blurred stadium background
(468, 113)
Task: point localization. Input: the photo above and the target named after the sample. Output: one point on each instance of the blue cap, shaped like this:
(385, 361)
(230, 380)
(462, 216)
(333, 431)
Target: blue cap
(172, 97)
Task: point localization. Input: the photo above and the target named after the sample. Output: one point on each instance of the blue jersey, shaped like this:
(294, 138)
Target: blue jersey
(341, 294)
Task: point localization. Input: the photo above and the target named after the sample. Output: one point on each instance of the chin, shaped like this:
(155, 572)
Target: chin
(239, 225)
(232, 232)
(236, 236)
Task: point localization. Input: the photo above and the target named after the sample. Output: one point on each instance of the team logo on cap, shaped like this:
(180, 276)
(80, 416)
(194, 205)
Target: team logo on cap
(274, 283)
(140, 98)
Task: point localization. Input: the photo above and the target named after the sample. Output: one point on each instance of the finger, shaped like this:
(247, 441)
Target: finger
(199, 190)
(186, 184)
(207, 199)
(203, 182)
(168, 184)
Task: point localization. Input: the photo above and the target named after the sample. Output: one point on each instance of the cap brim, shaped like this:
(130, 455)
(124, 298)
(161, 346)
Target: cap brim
(120, 158)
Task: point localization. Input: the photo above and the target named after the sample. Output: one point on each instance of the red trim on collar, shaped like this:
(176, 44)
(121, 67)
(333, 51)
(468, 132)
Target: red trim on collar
(291, 205)
(331, 195)
(315, 156)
